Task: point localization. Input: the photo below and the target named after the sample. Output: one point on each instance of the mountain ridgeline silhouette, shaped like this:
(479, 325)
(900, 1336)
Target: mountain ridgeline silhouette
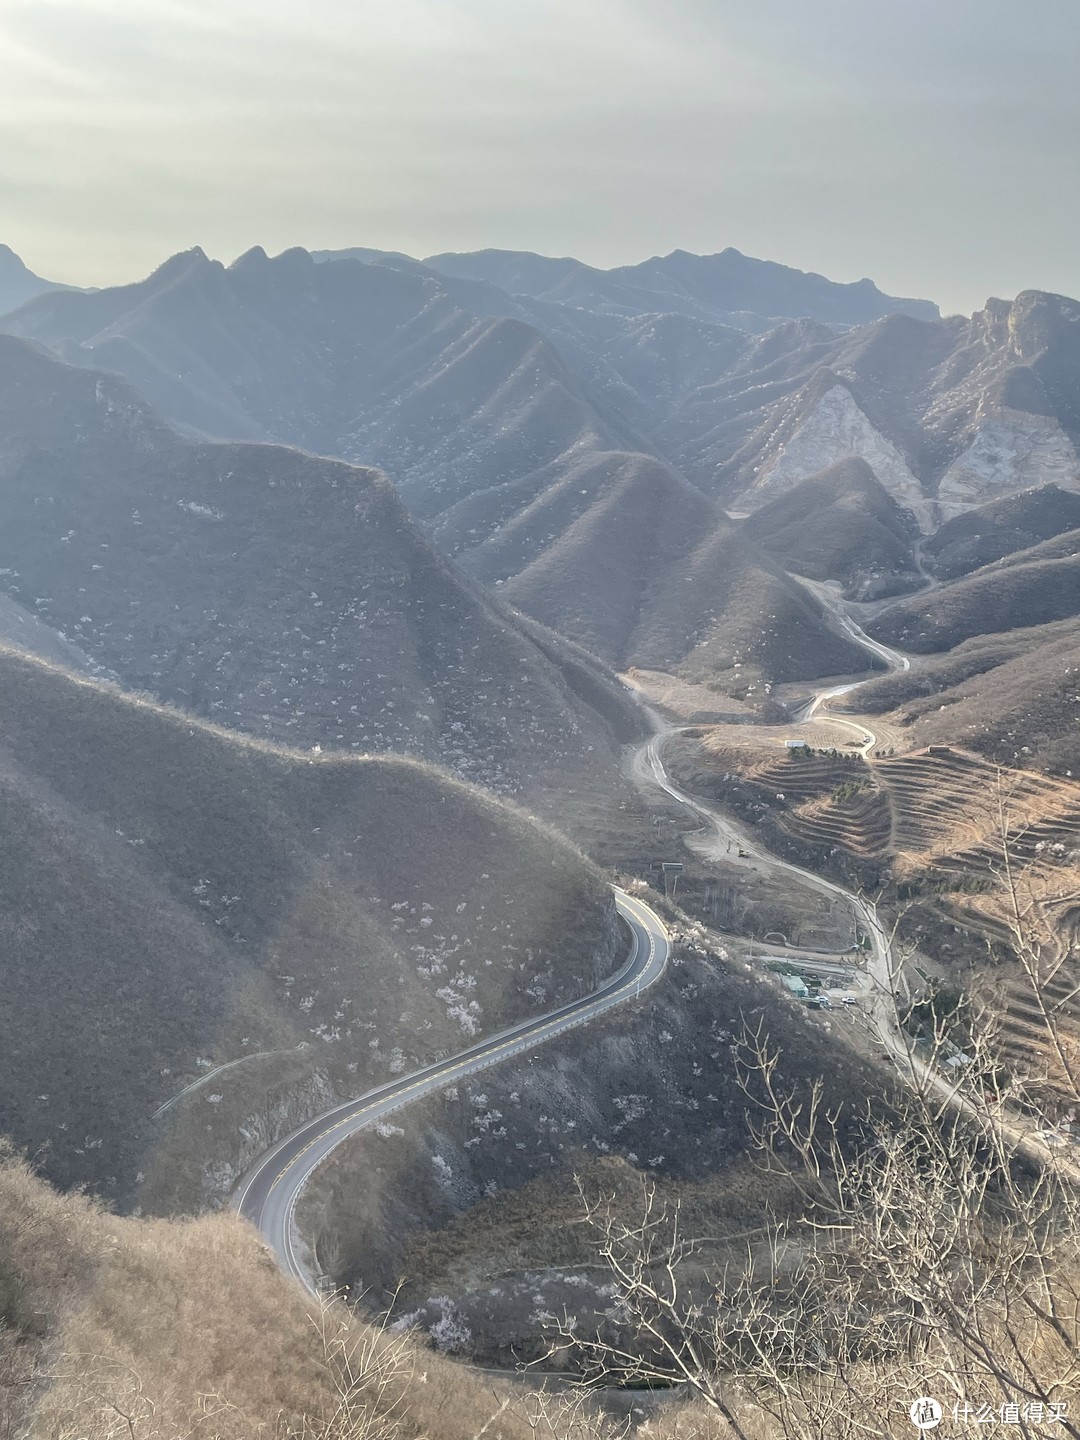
(632, 457)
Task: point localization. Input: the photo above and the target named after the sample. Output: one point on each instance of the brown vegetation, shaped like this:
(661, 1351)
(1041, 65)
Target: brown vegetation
(175, 897)
(117, 1329)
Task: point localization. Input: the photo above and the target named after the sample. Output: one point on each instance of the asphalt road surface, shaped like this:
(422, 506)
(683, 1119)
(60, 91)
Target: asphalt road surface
(268, 1193)
(881, 974)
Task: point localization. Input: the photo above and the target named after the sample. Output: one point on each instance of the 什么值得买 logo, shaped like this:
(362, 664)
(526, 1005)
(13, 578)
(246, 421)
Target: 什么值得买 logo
(925, 1413)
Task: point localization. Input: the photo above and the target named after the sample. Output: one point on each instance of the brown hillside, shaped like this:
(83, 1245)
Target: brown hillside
(1013, 698)
(643, 569)
(841, 525)
(120, 1327)
(176, 897)
(1000, 528)
(997, 598)
(277, 593)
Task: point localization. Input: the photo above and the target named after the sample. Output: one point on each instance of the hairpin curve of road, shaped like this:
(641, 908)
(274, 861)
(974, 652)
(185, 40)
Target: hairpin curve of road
(268, 1193)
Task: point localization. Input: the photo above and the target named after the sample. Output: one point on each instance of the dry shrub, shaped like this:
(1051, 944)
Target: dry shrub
(122, 1329)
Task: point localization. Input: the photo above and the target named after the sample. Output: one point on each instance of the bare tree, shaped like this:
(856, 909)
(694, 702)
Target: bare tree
(934, 1251)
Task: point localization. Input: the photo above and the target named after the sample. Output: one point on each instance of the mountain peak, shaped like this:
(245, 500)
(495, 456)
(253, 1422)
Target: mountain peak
(182, 263)
(18, 283)
(251, 259)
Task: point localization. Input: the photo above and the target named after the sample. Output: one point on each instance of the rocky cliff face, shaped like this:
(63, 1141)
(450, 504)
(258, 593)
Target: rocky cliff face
(1010, 451)
(833, 429)
(948, 414)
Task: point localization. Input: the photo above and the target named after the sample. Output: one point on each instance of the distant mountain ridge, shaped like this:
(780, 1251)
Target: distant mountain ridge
(949, 414)
(574, 437)
(728, 288)
(496, 444)
(18, 283)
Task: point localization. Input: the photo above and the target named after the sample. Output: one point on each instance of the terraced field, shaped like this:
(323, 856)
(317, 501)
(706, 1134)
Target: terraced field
(980, 845)
(1009, 841)
(955, 815)
(828, 801)
(1025, 1012)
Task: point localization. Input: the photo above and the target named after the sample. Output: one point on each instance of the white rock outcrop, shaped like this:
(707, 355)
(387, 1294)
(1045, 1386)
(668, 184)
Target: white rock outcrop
(1010, 451)
(837, 429)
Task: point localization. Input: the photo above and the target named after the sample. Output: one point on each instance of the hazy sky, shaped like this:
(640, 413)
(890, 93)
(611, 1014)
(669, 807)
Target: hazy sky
(931, 144)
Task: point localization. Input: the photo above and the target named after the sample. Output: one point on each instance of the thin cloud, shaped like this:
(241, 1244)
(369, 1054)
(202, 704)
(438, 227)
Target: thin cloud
(924, 144)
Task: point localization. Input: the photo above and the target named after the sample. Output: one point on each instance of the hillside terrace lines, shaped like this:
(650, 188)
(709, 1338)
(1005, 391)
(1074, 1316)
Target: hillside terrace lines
(859, 823)
(1023, 1038)
(945, 818)
(954, 817)
(940, 816)
(949, 810)
(830, 800)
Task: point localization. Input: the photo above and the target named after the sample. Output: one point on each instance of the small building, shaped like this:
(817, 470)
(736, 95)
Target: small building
(939, 749)
(796, 745)
(959, 1061)
(797, 985)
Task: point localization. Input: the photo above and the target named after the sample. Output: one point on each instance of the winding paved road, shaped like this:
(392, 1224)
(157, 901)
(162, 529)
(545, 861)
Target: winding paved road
(268, 1193)
(881, 974)
(893, 659)
(740, 849)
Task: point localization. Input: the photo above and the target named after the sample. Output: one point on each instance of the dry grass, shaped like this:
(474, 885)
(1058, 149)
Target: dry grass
(996, 599)
(933, 829)
(118, 1329)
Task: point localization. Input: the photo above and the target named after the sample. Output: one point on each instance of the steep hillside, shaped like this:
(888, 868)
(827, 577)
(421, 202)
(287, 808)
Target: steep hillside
(322, 355)
(176, 897)
(497, 411)
(1002, 527)
(533, 436)
(950, 413)
(123, 1327)
(277, 593)
(1014, 698)
(841, 525)
(1000, 597)
(17, 282)
(648, 1095)
(631, 560)
(499, 450)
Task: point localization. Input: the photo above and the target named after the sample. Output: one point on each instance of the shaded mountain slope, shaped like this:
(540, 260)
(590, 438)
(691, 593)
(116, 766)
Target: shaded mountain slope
(275, 592)
(1014, 698)
(841, 525)
(18, 283)
(1002, 527)
(502, 417)
(631, 560)
(320, 355)
(494, 367)
(1005, 596)
(1058, 547)
(493, 440)
(175, 895)
(499, 404)
(261, 350)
